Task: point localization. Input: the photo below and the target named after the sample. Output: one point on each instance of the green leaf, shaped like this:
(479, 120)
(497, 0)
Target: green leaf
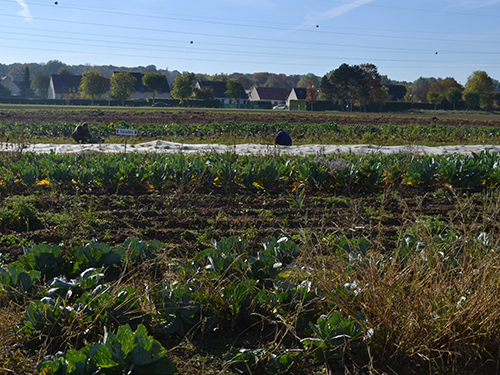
(146, 351)
(101, 357)
(124, 342)
(77, 362)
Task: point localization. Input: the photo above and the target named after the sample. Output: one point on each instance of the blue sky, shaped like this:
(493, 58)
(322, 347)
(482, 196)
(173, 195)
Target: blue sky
(404, 39)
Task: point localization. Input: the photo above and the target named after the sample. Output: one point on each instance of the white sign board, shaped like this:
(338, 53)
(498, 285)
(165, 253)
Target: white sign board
(126, 132)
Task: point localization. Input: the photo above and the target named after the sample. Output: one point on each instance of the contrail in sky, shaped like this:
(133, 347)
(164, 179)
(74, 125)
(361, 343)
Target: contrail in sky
(313, 18)
(25, 13)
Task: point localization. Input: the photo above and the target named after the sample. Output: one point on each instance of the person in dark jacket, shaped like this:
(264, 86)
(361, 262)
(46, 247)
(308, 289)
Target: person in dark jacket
(82, 134)
(282, 138)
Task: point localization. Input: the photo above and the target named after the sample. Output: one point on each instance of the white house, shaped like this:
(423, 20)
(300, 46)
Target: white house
(276, 95)
(14, 89)
(61, 85)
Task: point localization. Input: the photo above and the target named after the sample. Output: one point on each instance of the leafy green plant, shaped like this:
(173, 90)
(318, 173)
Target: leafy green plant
(177, 308)
(138, 250)
(44, 258)
(251, 361)
(225, 257)
(421, 172)
(238, 298)
(55, 317)
(86, 281)
(123, 352)
(337, 338)
(297, 200)
(19, 214)
(17, 279)
(97, 255)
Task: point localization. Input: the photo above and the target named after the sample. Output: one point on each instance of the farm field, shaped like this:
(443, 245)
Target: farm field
(224, 264)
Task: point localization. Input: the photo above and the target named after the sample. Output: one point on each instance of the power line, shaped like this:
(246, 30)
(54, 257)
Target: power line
(336, 33)
(286, 62)
(274, 48)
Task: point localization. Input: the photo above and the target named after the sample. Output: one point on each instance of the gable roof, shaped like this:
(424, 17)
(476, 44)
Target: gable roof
(300, 92)
(13, 87)
(63, 83)
(272, 93)
(218, 87)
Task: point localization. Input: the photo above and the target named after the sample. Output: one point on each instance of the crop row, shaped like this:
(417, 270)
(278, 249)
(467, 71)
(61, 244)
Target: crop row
(136, 173)
(334, 132)
(222, 288)
(76, 296)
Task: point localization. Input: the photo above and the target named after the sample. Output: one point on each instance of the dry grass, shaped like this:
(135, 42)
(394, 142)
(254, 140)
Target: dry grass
(14, 359)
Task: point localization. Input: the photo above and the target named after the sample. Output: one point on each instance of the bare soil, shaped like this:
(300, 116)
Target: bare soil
(147, 115)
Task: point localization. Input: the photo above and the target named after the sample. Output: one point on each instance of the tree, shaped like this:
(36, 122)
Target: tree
(52, 66)
(64, 72)
(409, 94)
(305, 78)
(122, 86)
(222, 77)
(434, 98)
(421, 87)
(496, 98)
(40, 84)
(92, 85)
(234, 90)
(26, 83)
(245, 82)
(205, 93)
(496, 85)
(480, 82)
(370, 91)
(261, 78)
(344, 83)
(384, 96)
(154, 81)
(472, 100)
(453, 95)
(312, 94)
(182, 87)
(442, 85)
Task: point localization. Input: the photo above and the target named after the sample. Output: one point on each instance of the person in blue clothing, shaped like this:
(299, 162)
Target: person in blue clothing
(282, 138)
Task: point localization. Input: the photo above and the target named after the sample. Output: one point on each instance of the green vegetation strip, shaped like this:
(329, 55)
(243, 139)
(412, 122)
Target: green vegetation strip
(140, 174)
(246, 132)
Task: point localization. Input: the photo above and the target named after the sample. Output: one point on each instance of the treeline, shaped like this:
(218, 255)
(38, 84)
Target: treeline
(347, 86)
(16, 72)
(361, 86)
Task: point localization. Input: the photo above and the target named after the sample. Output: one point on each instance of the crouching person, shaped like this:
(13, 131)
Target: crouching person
(82, 134)
(282, 138)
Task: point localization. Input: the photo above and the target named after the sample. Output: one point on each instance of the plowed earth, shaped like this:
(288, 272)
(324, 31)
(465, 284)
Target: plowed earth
(187, 221)
(201, 117)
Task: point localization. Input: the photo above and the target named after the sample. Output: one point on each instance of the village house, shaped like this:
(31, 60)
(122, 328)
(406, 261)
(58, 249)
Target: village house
(10, 84)
(296, 93)
(62, 85)
(219, 88)
(276, 95)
